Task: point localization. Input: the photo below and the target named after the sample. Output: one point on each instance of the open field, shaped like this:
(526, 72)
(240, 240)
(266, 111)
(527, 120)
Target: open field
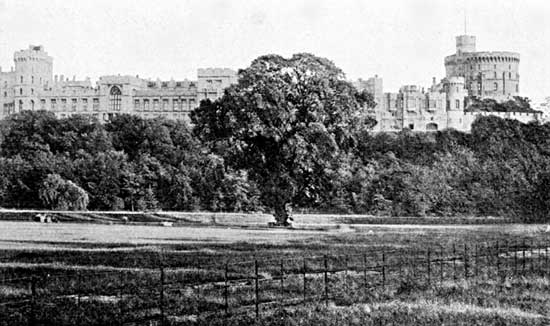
(354, 274)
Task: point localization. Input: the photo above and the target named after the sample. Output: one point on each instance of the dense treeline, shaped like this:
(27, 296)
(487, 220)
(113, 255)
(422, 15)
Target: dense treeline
(500, 168)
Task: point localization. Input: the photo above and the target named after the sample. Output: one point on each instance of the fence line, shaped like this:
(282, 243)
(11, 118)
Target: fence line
(245, 287)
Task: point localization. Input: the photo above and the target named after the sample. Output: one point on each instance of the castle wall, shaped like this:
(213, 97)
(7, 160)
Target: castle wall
(31, 86)
(487, 74)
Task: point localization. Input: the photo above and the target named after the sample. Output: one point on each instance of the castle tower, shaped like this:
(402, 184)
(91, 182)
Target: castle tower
(33, 73)
(456, 94)
(488, 74)
(465, 44)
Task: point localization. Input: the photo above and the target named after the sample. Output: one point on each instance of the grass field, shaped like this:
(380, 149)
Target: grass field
(99, 272)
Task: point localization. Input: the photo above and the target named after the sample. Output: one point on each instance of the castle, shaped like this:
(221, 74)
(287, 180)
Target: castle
(30, 85)
(469, 74)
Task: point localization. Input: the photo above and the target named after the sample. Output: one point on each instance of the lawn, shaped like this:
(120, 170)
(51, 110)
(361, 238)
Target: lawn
(90, 274)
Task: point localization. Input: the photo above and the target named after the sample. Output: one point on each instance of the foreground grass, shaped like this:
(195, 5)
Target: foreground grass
(517, 301)
(97, 284)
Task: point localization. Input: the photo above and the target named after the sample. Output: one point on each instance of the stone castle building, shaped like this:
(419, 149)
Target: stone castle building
(30, 85)
(469, 74)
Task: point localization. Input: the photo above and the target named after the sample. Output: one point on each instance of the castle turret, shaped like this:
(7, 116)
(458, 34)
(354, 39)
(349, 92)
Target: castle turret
(456, 94)
(33, 72)
(465, 43)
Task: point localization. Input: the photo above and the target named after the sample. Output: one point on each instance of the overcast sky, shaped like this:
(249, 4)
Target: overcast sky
(402, 41)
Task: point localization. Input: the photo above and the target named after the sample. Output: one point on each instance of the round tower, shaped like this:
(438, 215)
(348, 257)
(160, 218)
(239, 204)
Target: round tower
(456, 94)
(33, 73)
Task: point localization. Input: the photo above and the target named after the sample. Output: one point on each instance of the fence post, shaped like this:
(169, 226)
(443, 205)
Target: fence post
(546, 257)
(32, 318)
(497, 250)
(282, 282)
(532, 258)
(365, 272)
(161, 299)
(326, 279)
(454, 261)
(346, 264)
(304, 276)
(516, 259)
(476, 267)
(506, 258)
(441, 258)
(120, 303)
(466, 261)
(429, 267)
(78, 289)
(383, 269)
(226, 288)
(523, 260)
(256, 290)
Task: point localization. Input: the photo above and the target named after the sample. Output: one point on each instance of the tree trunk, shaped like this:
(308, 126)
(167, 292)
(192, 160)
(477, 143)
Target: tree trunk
(283, 213)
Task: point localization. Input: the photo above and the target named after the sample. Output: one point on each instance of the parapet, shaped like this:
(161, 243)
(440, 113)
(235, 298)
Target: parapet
(216, 72)
(455, 80)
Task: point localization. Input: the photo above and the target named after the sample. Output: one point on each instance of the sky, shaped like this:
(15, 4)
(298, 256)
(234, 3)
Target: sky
(404, 42)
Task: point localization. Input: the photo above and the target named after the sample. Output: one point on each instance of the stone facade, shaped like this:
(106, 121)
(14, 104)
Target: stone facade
(468, 74)
(487, 74)
(32, 86)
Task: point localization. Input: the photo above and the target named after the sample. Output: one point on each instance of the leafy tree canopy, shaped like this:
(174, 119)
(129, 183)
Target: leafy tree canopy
(287, 122)
(517, 104)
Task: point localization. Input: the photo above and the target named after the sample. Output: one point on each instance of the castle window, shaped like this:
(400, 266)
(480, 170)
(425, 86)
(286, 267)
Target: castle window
(20, 105)
(175, 104)
(95, 104)
(54, 104)
(42, 104)
(32, 79)
(21, 79)
(136, 105)
(496, 86)
(495, 75)
(115, 98)
(155, 105)
(20, 91)
(73, 104)
(457, 104)
(146, 105)
(181, 105)
(5, 94)
(85, 104)
(32, 105)
(32, 91)
(165, 104)
(510, 75)
(64, 103)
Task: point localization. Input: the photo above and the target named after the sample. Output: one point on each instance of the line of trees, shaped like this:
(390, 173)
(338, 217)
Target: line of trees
(291, 133)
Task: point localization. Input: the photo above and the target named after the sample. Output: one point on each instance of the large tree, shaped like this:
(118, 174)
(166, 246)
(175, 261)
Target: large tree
(288, 123)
